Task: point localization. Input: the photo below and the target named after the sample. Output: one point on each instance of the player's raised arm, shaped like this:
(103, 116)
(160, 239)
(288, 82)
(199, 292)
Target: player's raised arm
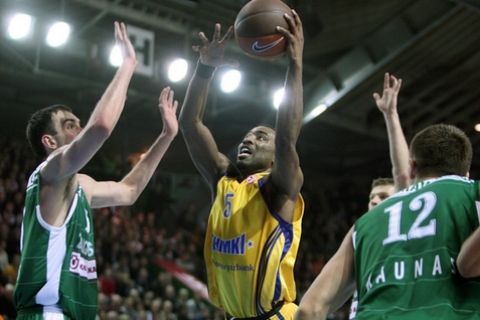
(68, 160)
(198, 138)
(399, 154)
(126, 192)
(287, 177)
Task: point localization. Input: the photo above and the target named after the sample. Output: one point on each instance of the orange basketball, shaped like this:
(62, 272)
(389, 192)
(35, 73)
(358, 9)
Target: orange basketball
(255, 28)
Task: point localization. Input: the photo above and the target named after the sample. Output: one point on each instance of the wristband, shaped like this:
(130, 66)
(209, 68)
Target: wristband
(204, 71)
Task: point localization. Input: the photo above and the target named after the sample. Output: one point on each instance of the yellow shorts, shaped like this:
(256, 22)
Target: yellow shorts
(286, 312)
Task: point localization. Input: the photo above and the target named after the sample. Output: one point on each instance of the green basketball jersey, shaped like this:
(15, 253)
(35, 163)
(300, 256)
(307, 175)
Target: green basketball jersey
(57, 266)
(405, 252)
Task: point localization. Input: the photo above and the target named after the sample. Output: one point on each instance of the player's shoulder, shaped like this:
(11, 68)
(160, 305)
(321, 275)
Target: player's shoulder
(34, 176)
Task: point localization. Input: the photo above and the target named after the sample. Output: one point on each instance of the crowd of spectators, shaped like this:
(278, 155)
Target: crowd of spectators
(130, 240)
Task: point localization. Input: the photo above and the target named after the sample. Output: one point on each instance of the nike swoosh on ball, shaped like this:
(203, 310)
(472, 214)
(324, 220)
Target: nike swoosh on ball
(261, 48)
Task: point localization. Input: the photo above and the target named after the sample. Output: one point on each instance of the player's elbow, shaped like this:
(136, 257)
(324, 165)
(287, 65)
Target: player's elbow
(130, 201)
(402, 180)
(129, 194)
(303, 313)
(132, 197)
(100, 130)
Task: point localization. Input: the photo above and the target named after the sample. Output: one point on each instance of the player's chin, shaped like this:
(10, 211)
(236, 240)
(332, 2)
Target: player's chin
(243, 161)
(243, 157)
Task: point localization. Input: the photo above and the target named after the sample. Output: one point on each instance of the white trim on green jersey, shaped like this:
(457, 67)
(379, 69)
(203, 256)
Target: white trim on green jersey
(57, 247)
(417, 185)
(51, 228)
(49, 293)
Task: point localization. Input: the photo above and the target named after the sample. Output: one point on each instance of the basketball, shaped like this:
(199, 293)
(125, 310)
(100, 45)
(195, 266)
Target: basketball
(255, 28)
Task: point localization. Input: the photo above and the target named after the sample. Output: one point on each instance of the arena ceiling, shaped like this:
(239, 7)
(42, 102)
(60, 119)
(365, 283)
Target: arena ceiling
(433, 45)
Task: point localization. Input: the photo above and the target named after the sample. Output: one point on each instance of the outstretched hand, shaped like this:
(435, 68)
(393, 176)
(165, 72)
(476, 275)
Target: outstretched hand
(168, 109)
(294, 35)
(387, 103)
(123, 42)
(212, 52)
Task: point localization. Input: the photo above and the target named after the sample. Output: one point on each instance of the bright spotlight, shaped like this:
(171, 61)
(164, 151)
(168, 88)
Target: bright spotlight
(116, 57)
(477, 127)
(278, 97)
(177, 70)
(58, 34)
(318, 110)
(230, 80)
(19, 26)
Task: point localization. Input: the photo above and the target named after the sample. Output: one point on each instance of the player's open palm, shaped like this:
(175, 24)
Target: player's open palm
(387, 103)
(168, 109)
(123, 42)
(212, 53)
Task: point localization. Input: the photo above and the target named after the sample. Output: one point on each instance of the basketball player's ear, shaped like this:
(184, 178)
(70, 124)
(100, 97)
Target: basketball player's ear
(467, 174)
(49, 142)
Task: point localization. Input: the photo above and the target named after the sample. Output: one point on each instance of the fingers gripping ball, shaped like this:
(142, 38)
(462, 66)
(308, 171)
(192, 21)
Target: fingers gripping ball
(255, 28)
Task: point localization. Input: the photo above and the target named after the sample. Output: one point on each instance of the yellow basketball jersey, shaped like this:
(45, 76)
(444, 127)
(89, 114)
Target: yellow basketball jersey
(249, 249)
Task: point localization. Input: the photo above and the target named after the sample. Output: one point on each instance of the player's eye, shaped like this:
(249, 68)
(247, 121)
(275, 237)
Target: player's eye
(70, 126)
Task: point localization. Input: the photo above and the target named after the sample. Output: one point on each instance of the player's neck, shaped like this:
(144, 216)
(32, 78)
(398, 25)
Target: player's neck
(426, 177)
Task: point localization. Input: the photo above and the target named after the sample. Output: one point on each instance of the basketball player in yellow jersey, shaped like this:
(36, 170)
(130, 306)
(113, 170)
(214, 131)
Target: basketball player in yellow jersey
(255, 221)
